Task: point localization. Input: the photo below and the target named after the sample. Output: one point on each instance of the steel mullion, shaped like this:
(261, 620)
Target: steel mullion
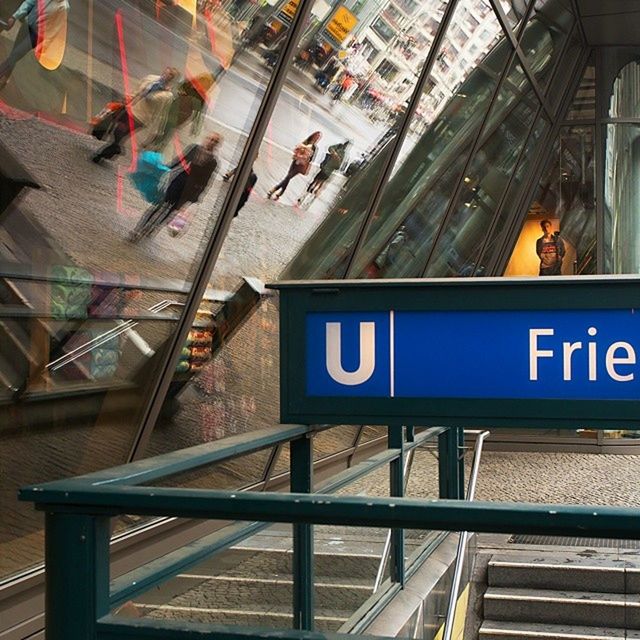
(405, 121)
(156, 395)
(503, 197)
(524, 63)
(576, 12)
(504, 23)
(543, 156)
(474, 147)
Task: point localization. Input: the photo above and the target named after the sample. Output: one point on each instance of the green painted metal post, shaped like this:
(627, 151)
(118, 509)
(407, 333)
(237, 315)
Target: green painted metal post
(77, 575)
(396, 489)
(460, 458)
(303, 575)
(449, 463)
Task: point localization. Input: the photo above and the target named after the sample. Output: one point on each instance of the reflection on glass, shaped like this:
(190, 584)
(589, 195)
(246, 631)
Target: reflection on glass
(544, 36)
(622, 197)
(429, 163)
(558, 235)
(583, 106)
(513, 192)
(624, 97)
(160, 96)
(459, 246)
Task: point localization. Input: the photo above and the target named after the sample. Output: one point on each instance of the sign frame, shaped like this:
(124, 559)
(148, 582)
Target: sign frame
(297, 298)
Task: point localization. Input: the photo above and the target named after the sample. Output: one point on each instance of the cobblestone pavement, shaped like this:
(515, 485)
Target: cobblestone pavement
(571, 478)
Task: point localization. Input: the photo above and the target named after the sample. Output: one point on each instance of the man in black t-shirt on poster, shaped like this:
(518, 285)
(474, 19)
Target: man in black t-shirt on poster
(550, 250)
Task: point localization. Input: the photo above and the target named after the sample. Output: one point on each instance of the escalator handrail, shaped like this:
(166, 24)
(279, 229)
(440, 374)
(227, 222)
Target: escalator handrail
(447, 631)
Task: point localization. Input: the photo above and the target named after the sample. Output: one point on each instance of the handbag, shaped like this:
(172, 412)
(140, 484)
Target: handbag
(103, 122)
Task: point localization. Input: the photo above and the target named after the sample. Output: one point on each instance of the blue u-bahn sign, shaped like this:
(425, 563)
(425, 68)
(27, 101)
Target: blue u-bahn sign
(548, 352)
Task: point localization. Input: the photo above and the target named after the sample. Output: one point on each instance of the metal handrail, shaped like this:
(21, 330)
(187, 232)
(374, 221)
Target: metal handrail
(462, 541)
(386, 551)
(123, 326)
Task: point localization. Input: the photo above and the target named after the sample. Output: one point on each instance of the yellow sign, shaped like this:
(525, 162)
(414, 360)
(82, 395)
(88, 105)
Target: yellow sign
(290, 8)
(341, 24)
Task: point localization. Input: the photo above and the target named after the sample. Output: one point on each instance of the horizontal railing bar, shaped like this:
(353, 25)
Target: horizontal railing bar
(143, 578)
(174, 462)
(148, 575)
(135, 283)
(352, 511)
(20, 312)
(374, 462)
(113, 628)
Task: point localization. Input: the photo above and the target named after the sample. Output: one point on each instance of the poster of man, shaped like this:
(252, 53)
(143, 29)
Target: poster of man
(550, 249)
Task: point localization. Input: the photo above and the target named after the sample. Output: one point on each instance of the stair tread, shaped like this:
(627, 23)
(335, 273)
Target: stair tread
(565, 561)
(554, 594)
(556, 631)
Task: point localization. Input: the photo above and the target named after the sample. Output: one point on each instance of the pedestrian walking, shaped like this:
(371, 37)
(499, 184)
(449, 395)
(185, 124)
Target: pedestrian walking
(303, 156)
(197, 166)
(36, 18)
(332, 161)
(148, 108)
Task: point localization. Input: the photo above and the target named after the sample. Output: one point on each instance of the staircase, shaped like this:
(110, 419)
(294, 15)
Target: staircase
(562, 596)
(251, 584)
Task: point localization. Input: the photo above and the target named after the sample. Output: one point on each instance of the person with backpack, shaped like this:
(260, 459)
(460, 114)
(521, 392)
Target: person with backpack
(332, 162)
(197, 166)
(303, 155)
(148, 108)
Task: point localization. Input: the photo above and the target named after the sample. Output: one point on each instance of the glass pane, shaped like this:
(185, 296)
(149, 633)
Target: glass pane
(544, 37)
(431, 159)
(563, 79)
(459, 247)
(513, 194)
(68, 383)
(385, 72)
(169, 92)
(339, 100)
(621, 198)
(558, 235)
(624, 97)
(333, 441)
(584, 102)
(514, 11)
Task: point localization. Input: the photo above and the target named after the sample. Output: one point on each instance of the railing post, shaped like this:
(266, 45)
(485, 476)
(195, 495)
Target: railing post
(301, 462)
(396, 489)
(77, 575)
(451, 475)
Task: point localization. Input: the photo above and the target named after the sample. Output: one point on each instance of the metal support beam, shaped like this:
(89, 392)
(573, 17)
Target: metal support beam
(449, 463)
(396, 490)
(301, 461)
(77, 575)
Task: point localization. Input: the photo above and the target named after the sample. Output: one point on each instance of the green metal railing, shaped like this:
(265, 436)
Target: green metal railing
(78, 513)
(79, 597)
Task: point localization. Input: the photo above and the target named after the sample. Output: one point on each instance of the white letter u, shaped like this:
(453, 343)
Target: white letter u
(367, 354)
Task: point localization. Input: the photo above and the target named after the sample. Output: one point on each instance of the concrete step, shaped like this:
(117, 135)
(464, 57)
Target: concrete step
(269, 618)
(246, 593)
(495, 630)
(562, 607)
(260, 563)
(559, 572)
